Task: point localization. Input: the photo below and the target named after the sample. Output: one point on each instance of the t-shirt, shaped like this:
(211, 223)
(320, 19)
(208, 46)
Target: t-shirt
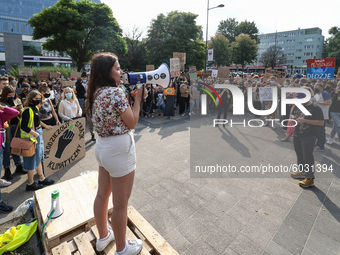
(307, 129)
(322, 97)
(335, 106)
(109, 103)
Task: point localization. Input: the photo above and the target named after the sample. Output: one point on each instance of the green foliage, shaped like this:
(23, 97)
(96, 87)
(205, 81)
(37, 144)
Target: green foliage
(231, 28)
(176, 32)
(63, 70)
(332, 46)
(244, 50)
(78, 28)
(222, 50)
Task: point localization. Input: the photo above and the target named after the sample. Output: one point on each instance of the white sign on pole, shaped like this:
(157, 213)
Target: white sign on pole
(211, 55)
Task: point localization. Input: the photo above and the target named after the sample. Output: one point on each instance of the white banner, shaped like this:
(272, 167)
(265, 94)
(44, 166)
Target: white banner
(211, 55)
(214, 73)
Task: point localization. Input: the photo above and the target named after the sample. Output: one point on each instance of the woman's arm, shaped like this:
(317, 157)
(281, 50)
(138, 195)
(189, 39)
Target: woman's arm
(25, 118)
(55, 116)
(130, 116)
(9, 113)
(79, 110)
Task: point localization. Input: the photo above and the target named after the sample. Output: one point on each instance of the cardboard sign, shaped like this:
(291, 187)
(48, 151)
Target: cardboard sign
(192, 69)
(54, 75)
(266, 94)
(338, 74)
(182, 57)
(75, 74)
(276, 73)
(150, 68)
(68, 83)
(43, 75)
(207, 73)
(223, 72)
(26, 72)
(64, 145)
(175, 68)
(169, 92)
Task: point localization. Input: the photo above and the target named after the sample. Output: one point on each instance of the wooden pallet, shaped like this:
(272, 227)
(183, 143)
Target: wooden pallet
(138, 227)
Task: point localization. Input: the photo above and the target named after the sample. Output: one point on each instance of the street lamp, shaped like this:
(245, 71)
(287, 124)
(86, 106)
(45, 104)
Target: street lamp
(206, 35)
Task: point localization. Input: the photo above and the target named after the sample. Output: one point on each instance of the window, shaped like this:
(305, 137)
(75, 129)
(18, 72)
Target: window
(299, 43)
(290, 54)
(290, 48)
(309, 39)
(291, 34)
(32, 48)
(290, 41)
(271, 43)
(2, 47)
(298, 57)
(309, 46)
(308, 54)
(298, 50)
(280, 42)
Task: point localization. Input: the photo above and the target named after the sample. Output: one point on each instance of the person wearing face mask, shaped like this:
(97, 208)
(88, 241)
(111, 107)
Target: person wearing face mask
(25, 88)
(8, 98)
(322, 99)
(48, 114)
(80, 89)
(69, 108)
(31, 128)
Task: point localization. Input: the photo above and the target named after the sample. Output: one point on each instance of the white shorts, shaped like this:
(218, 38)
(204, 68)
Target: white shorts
(117, 154)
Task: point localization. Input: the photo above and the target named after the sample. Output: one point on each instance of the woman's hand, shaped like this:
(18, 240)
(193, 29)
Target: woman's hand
(35, 134)
(58, 123)
(49, 127)
(140, 92)
(78, 115)
(2, 107)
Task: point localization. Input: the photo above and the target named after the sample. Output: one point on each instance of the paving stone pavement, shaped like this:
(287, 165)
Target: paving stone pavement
(220, 215)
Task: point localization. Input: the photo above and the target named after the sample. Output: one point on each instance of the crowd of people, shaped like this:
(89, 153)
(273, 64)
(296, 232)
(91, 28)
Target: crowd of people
(28, 106)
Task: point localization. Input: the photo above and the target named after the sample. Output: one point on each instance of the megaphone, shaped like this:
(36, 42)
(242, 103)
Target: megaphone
(56, 210)
(161, 76)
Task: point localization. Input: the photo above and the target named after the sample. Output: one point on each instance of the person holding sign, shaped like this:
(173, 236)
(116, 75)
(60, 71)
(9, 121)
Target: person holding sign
(114, 121)
(30, 127)
(69, 108)
(49, 116)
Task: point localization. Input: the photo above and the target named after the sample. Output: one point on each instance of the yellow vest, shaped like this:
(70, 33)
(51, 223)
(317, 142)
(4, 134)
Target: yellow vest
(23, 134)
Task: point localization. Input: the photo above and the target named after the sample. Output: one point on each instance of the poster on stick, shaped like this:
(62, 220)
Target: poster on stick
(64, 145)
(68, 83)
(321, 68)
(223, 72)
(26, 72)
(193, 76)
(175, 67)
(182, 57)
(192, 69)
(55, 75)
(43, 75)
(75, 74)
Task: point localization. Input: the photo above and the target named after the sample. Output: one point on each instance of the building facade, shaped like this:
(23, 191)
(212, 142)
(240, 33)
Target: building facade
(16, 45)
(297, 46)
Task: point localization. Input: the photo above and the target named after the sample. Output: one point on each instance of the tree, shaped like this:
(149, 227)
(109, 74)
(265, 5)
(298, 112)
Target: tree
(135, 59)
(244, 50)
(228, 28)
(249, 28)
(222, 50)
(273, 56)
(176, 32)
(332, 46)
(78, 28)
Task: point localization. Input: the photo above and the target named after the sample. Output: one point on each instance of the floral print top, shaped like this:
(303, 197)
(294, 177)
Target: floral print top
(108, 104)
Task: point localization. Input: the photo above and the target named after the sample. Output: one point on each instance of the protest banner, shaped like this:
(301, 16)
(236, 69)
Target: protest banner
(75, 74)
(64, 145)
(26, 72)
(338, 74)
(175, 69)
(68, 83)
(211, 55)
(223, 72)
(55, 75)
(193, 76)
(214, 73)
(182, 57)
(280, 76)
(321, 68)
(43, 75)
(266, 94)
(207, 73)
(192, 69)
(150, 68)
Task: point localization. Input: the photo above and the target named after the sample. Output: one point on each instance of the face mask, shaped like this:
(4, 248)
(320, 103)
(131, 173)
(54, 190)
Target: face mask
(10, 98)
(272, 82)
(39, 83)
(316, 91)
(53, 82)
(47, 95)
(68, 95)
(84, 81)
(35, 102)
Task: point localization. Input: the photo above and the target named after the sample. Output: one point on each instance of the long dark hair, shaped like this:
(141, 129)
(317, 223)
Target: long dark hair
(7, 90)
(100, 75)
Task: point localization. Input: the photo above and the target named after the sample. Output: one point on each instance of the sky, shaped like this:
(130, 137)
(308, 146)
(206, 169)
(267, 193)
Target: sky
(269, 16)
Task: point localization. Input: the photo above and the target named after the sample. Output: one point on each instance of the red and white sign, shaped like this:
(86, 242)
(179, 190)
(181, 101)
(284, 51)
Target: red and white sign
(321, 62)
(211, 55)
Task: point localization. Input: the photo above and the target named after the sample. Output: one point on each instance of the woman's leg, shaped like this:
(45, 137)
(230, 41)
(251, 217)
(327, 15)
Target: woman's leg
(101, 202)
(30, 175)
(121, 191)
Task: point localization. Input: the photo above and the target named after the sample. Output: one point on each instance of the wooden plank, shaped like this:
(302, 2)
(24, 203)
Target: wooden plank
(62, 249)
(132, 236)
(156, 240)
(84, 245)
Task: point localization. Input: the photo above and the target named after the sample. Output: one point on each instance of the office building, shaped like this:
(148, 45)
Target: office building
(297, 45)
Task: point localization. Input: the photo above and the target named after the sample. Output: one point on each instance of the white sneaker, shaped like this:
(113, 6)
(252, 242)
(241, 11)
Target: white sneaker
(183, 114)
(101, 244)
(4, 183)
(330, 141)
(189, 113)
(132, 247)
